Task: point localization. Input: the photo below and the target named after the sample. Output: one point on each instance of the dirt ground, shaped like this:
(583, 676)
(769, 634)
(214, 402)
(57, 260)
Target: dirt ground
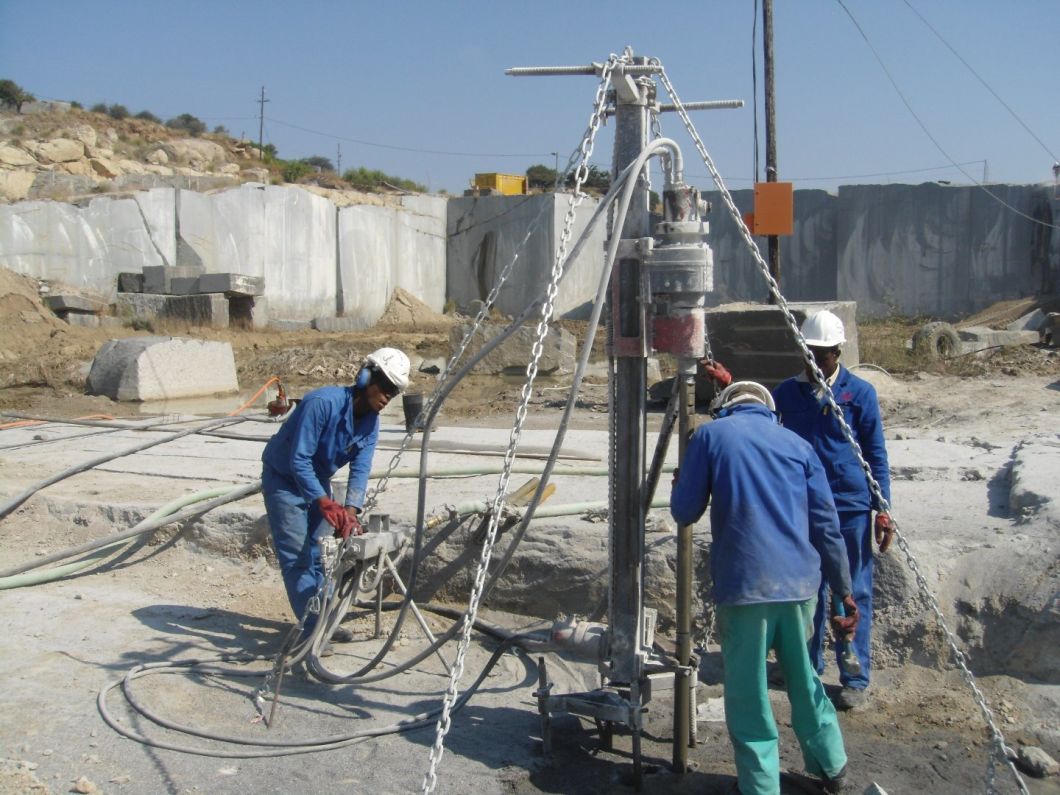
(169, 600)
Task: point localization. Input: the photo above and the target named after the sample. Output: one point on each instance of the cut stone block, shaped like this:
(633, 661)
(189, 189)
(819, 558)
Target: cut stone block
(755, 343)
(232, 283)
(130, 282)
(1029, 322)
(515, 353)
(981, 338)
(63, 302)
(207, 309)
(158, 278)
(141, 306)
(185, 285)
(246, 311)
(83, 319)
(161, 368)
(109, 321)
(340, 323)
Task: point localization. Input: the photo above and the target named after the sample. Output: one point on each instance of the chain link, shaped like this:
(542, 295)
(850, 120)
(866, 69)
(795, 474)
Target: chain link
(998, 739)
(430, 780)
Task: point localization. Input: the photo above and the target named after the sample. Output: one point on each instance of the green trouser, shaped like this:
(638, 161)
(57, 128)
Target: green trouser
(747, 633)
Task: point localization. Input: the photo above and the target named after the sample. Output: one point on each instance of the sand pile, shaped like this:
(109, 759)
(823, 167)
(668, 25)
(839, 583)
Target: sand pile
(405, 309)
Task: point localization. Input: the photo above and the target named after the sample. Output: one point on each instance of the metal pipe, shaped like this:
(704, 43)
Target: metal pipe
(682, 676)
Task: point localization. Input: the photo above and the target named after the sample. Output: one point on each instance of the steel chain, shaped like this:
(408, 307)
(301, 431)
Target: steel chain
(959, 657)
(373, 496)
(430, 780)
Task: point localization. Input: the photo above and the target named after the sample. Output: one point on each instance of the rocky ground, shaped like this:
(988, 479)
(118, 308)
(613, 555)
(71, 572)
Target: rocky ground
(976, 476)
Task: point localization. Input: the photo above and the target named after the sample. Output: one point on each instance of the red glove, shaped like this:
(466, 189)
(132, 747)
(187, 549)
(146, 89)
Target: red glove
(716, 372)
(356, 529)
(335, 515)
(844, 626)
(884, 531)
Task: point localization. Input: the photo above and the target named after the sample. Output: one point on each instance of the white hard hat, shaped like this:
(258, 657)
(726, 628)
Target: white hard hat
(392, 363)
(823, 330)
(745, 392)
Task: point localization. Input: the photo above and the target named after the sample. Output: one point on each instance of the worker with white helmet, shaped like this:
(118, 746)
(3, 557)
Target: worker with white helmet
(329, 428)
(774, 528)
(803, 408)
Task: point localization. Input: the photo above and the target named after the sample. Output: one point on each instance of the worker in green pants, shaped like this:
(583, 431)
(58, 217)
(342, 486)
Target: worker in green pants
(774, 528)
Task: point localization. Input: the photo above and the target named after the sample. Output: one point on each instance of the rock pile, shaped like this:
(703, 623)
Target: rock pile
(63, 155)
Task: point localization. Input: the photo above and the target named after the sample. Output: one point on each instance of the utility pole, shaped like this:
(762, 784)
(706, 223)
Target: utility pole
(338, 159)
(771, 133)
(261, 124)
(555, 188)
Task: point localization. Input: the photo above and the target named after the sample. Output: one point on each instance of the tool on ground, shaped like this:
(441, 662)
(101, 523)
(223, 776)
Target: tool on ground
(279, 406)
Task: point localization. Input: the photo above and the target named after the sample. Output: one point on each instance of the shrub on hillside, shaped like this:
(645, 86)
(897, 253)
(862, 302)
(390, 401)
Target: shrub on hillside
(11, 93)
(188, 123)
(118, 112)
(368, 180)
(146, 115)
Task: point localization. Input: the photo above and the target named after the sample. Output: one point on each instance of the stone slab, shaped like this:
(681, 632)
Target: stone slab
(185, 285)
(161, 368)
(236, 283)
(158, 278)
(981, 338)
(70, 302)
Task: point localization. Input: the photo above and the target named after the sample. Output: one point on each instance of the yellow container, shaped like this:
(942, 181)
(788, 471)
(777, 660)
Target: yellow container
(505, 184)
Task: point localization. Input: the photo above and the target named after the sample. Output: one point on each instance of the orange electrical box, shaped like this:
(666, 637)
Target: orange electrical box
(774, 212)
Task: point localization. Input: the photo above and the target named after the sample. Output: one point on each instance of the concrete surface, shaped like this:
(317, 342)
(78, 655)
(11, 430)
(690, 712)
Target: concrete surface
(975, 476)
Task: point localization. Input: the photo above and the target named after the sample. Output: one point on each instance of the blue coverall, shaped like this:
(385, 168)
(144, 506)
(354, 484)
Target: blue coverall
(808, 415)
(774, 527)
(321, 436)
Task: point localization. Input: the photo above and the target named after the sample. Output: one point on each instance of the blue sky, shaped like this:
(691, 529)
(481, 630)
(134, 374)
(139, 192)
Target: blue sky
(430, 76)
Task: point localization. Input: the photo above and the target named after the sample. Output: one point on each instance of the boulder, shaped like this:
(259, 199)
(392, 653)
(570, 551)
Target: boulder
(195, 152)
(15, 185)
(15, 157)
(86, 134)
(161, 368)
(514, 354)
(157, 157)
(79, 168)
(131, 167)
(60, 150)
(105, 168)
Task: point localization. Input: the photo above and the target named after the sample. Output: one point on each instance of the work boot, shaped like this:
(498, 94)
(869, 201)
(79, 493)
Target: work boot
(342, 635)
(836, 783)
(850, 699)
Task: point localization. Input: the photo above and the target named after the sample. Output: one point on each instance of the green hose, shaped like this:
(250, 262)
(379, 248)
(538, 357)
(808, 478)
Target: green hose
(36, 578)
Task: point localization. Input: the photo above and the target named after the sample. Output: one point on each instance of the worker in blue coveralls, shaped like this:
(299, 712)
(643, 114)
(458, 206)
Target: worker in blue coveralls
(774, 529)
(329, 428)
(803, 408)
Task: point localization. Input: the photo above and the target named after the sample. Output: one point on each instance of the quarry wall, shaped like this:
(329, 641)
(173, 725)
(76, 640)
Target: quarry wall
(922, 250)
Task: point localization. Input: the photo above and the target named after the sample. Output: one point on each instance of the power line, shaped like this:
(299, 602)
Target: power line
(406, 148)
(927, 132)
(981, 80)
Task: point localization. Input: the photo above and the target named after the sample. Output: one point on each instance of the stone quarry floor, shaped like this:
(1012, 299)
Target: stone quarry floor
(976, 463)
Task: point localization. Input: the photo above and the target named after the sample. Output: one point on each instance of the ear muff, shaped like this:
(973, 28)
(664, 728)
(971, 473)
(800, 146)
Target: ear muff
(363, 377)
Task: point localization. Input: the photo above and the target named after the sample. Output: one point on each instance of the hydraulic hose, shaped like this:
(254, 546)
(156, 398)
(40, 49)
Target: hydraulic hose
(10, 505)
(270, 747)
(167, 514)
(439, 398)
(627, 184)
